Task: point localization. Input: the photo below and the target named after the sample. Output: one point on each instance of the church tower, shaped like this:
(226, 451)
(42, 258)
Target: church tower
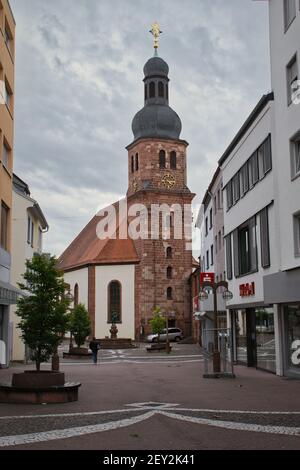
(157, 175)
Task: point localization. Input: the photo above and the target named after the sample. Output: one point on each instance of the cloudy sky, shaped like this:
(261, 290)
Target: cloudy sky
(79, 83)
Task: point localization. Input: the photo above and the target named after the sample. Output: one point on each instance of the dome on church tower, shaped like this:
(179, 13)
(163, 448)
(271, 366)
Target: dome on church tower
(156, 66)
(156, 118)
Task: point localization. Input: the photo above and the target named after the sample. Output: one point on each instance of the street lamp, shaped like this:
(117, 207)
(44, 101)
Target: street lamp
(227, 295)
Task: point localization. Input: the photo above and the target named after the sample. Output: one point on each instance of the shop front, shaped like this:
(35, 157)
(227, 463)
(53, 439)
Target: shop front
(254, 337)
(283, 289)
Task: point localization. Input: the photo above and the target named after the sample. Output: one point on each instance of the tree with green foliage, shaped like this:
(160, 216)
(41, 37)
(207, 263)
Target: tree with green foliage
(158, 323)
(44, 308)
(80, 324)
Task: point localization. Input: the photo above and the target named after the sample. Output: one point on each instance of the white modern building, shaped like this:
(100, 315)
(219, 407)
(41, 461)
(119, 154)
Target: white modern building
(283, 288)
(251, 245)
(28, 226)
(261, 181)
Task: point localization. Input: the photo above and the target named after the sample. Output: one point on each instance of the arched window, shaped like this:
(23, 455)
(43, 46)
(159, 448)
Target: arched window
(167, 91)
(169, 272)
(146, 92)
(136, 162)
(114, 302)
(76, 295)
(162, 159)
(169, 252)
(152, 90)
(169, 293)
(132, 164)
(173, 160)
(161, 90)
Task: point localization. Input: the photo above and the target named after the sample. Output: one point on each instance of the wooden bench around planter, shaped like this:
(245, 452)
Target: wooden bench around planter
(155, 347)
(38, 395)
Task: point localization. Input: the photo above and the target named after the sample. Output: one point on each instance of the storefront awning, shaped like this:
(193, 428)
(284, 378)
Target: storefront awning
(9, 294)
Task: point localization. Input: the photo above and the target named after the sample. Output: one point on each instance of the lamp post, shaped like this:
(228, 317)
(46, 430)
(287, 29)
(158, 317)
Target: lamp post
(227, 295)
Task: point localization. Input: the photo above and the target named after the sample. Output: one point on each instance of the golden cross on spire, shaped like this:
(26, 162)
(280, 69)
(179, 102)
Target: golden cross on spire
(156, 32)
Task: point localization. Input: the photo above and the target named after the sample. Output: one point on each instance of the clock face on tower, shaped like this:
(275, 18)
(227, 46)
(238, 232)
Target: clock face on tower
(168, 181)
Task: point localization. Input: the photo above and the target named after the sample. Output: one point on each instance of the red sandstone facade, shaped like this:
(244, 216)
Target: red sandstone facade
(152, 281)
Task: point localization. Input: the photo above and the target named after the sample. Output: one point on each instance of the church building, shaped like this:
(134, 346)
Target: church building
(124, 276)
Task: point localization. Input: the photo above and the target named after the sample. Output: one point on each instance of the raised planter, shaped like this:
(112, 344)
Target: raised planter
(56, 394)
(37, 379)
(116, 343)
(77, 353)
(157, 347)
(38, 387)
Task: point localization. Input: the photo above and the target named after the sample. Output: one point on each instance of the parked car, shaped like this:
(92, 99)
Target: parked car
(175, 334)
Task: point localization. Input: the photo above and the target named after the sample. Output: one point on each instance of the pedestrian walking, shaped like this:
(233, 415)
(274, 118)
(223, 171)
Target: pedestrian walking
(94, 346)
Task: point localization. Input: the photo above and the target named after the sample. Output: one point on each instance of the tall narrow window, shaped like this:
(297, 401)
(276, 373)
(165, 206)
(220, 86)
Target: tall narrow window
(206, 226)
(229, 194)
(167, 91)
(152, 90)
(264, 238)
(212, 255)
(32, 234)
(207, 259)
(5, 155)
(245, 248)
(136, 162)
(173, 160)
(210, 218)
(114, 302)
(292, 78)
(296, 218)
(289, 12)
(295, 155)
(146, 92)
(8, 37)
(162, 159)
(169, 252)
(29, 230)
(7, 94)
(4, 226)
(161, 87)
(76, 295)
(169, 272)
(169, 293)
(132, 164)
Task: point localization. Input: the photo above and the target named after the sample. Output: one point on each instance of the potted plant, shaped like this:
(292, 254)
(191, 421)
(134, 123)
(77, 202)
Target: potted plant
(44, 312)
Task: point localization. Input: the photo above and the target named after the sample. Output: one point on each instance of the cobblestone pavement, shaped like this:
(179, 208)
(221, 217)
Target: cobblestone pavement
(131, 400)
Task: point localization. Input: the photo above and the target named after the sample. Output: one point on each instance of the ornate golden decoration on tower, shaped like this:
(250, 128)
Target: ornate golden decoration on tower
(156, 32)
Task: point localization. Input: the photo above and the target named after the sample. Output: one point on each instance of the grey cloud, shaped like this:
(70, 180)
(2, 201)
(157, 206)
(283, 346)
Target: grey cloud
(79, 72)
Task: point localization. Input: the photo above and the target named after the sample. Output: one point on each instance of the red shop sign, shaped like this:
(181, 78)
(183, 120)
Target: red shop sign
(207, 277)
(247, 289)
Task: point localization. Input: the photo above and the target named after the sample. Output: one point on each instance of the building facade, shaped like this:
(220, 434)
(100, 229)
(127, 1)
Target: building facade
(251, 246)
(132, 275)
(283, 288)
(8, 294)
(28, 226)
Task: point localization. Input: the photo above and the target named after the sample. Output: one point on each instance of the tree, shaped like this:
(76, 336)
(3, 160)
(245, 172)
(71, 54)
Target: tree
(157, 323)
(80, 324)
(44, 309)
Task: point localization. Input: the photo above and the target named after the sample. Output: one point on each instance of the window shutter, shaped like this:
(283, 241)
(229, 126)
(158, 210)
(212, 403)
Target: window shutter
(228, 257)
(253, 244)
(236, 253)
(264, 238)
